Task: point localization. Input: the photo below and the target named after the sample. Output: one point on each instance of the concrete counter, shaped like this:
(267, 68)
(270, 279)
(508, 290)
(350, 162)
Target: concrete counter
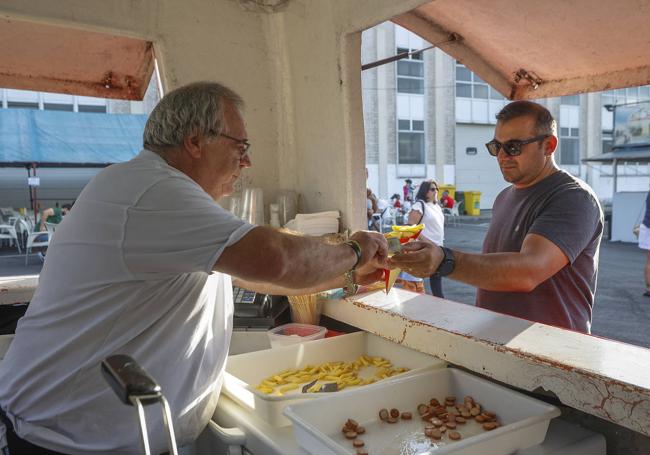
(17, 289)
(601, 377)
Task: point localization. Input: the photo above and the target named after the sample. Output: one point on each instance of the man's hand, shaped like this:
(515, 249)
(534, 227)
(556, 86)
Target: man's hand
(367, 275)
(374, 249)
(420, 259)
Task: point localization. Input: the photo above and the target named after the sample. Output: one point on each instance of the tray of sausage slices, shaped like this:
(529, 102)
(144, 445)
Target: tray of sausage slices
(440, 411)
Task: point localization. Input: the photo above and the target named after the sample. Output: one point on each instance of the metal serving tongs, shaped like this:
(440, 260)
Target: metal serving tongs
(329, 387)
(134, 387)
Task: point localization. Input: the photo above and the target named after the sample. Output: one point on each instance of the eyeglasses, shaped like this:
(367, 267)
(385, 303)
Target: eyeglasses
(243, 143)
(512, 147)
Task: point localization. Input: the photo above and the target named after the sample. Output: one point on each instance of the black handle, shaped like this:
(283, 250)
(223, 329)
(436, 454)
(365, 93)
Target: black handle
(128, 379)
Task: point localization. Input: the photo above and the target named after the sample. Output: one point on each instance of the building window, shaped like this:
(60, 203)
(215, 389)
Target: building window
(626, 95)
(410, 147)
(569, 146)
(573, 100)
(58, 107)
(92, 108)
(21, 105)
(608, 141)
(410, 73)
(469, 85)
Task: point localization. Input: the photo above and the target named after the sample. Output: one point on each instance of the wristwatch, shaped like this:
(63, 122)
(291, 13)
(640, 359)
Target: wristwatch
(448, 263)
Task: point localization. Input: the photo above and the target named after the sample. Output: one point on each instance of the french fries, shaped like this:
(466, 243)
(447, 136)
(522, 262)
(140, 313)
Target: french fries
(345, 374)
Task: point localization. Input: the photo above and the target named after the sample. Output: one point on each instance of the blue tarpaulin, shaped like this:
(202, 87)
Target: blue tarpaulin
(54, 138)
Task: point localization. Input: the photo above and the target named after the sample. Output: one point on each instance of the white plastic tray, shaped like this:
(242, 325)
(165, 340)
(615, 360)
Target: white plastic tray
(245, 371)
(317, 427)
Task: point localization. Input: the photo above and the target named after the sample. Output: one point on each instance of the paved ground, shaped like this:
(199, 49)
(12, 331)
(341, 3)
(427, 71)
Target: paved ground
(621, 312)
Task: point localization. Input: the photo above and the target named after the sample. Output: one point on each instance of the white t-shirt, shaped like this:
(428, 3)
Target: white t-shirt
(129, 271)
(433, 219)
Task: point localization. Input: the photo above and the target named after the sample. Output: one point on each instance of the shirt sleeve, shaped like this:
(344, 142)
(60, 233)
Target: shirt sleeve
(417, 206)
(178, 228)
(569, 220)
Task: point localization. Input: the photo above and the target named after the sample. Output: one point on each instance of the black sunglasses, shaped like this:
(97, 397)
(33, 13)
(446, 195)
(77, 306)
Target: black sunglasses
(245, 145)
(512, 147)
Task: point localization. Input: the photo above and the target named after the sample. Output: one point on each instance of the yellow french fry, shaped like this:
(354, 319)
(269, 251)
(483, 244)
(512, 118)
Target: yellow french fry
(289, 387)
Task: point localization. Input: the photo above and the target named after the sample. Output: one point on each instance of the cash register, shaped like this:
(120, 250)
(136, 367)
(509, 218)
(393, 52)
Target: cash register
(256, 311)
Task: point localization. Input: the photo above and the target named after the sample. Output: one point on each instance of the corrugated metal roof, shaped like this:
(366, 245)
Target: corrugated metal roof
(67, 138)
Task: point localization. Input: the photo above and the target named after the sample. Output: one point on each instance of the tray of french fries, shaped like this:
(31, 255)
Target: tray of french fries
(267, 381)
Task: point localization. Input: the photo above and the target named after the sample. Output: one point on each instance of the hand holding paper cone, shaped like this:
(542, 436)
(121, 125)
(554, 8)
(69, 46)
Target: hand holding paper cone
(398, 236)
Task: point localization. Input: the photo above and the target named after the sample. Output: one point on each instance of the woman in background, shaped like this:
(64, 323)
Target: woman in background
(644, 243)
(426, 210)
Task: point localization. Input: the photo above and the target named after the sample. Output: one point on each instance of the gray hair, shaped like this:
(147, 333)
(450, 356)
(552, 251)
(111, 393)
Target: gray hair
(196, 108)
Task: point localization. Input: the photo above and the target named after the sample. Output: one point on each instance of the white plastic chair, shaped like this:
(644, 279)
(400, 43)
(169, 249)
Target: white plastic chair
(8, 232)
(35, 239)
(453, 214)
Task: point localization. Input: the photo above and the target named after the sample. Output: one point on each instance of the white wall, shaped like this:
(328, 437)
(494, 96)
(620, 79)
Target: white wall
(627, 209)
(478, 172)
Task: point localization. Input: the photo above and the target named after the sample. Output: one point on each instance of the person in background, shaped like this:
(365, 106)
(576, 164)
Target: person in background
(447, 201)
(53, 215)
(144, 266)
(644, 243)
(371, 209)
(426, 210)
(408, 189)
(394, 199)
(540, 254)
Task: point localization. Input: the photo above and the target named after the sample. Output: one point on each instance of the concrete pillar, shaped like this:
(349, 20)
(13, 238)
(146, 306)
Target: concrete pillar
(591, 132)
(386, 105)
(440, 110)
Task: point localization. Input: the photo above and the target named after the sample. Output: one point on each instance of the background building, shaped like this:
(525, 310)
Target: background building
(62, 184)
(429, 116)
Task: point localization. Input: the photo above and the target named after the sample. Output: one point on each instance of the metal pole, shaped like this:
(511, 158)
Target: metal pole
(144, 438)
(31, 195)
(615, 173)
(169, 426)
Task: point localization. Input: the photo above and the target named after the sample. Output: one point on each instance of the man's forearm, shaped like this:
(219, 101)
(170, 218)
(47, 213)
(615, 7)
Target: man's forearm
(506, 272)
(265, 255)
(313, 262)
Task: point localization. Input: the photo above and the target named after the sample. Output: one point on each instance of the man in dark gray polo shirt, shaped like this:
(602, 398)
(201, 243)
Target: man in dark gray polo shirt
(540, 255)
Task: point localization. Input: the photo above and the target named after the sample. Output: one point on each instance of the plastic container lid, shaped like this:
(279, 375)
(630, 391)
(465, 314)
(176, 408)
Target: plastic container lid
(294, 333)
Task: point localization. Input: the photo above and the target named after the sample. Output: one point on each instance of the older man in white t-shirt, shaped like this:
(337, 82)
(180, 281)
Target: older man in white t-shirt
(142, 266)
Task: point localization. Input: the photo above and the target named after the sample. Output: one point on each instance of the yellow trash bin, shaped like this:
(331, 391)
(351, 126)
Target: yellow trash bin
(450, 188)
(473, 203)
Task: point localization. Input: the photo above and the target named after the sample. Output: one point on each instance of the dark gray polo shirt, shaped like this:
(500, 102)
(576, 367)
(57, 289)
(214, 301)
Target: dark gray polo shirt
(566, 211)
